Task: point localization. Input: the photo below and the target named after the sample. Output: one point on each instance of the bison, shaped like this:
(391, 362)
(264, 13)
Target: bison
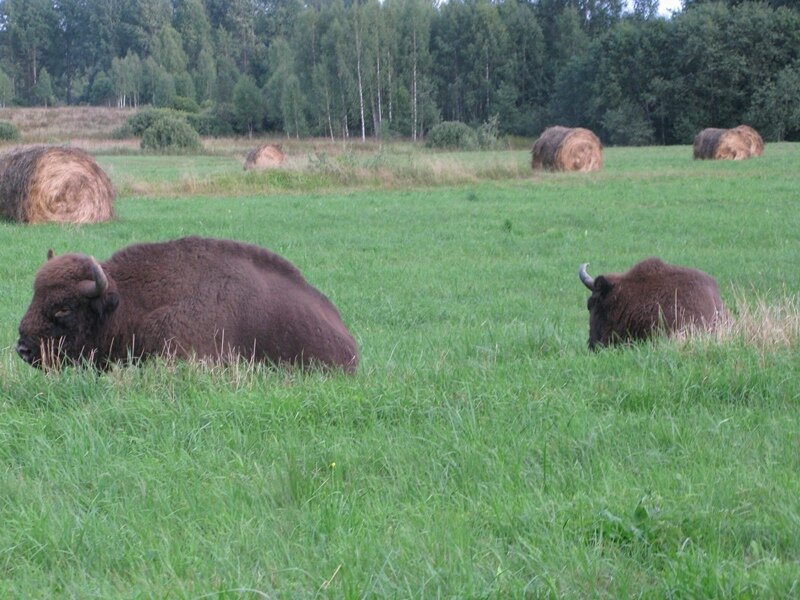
(652, 296)
(191, 297)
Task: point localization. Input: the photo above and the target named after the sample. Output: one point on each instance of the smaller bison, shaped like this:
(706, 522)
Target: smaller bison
(652, 296)
(192, 297)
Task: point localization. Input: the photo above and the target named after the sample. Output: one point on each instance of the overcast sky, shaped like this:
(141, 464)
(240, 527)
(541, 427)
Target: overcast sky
(665, 7)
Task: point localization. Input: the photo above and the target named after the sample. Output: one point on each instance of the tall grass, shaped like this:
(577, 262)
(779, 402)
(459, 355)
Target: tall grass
(481, 450)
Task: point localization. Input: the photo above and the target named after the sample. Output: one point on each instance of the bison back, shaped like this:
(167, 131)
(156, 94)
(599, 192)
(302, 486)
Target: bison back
(218, 298)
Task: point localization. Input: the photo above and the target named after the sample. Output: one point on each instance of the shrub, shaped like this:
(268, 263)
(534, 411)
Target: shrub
(216, 122)
(489, 134)
(9, 131)
(141, 121)
(452, 135)
(172, 133)
(185, 104)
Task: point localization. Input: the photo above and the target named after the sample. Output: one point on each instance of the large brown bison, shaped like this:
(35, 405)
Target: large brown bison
(652, 296)
(192, 297)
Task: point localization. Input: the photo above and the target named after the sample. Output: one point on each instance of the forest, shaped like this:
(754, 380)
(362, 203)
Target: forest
(363, 69)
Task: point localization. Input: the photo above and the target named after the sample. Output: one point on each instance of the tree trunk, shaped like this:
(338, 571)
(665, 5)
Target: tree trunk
(379, 124)
(360, 86)
(414, 86)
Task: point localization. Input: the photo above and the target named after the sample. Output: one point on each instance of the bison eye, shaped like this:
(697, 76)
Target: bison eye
(61, 313)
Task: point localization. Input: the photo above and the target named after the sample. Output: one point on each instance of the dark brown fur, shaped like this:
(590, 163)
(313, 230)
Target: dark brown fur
(653, 295)
(213, 299)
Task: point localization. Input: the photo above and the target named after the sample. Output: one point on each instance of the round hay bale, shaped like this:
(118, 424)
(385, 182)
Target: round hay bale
(54, 184)
(264, 157)
(721, 144)
(567, 149)
(753, 138)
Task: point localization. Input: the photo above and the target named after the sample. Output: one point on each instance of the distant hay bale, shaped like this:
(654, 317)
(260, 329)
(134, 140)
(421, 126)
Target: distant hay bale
(721, 144)
(753, 138)
(54, 184)
(567, 149)
(264, 157)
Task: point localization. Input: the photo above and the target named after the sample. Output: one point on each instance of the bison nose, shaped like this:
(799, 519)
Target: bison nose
(24, 352)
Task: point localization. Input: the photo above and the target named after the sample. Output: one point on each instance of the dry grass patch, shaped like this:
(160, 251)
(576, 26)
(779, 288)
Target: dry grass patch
(64, 123)
(759, 323)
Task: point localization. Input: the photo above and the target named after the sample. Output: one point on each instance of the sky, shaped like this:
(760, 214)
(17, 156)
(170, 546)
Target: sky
(666, 7)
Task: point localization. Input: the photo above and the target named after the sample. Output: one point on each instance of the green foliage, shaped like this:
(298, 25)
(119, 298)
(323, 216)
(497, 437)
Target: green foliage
(248, 105)
(6, 89)
(217, 121)
(169, 133)
(452, 135)
(331, 68)
(164, 93)
(9, 131)
(776, 106)
(489, 134)
(184, 104)
(102, 89)
(627, 126)
(127, 77)
(139, 122)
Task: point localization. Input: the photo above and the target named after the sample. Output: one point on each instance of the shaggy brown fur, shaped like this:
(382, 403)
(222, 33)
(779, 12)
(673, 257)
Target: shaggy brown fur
(753, 138)
(54, 184)
(722, 144)
(207, 298)
(565, 149)
(264, 157)
(653, 295)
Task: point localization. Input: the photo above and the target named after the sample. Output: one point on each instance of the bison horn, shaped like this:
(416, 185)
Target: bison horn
(587, 279)
(98, 284)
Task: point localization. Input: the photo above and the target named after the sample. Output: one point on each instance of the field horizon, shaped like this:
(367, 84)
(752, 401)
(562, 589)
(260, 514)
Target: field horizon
(481, 450)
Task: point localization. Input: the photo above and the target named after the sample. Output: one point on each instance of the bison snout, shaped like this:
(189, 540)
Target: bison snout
(25, 352)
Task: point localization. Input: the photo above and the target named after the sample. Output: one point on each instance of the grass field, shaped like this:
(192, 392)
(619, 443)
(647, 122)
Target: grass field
(481, 450)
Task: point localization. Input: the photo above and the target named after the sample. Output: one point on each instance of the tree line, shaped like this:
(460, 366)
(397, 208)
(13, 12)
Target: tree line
(371, 68)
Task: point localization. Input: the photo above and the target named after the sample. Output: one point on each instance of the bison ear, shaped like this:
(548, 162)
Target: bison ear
(602, 285)
(50, 253)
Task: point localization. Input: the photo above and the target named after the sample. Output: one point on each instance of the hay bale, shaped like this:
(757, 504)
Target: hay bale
(567, 149)
(264, 157)
(54, 184)
(721, 144)
(753, 138)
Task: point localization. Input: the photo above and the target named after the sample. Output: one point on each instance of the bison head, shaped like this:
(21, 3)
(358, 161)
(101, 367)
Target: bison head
(601, 330)
(72, 299)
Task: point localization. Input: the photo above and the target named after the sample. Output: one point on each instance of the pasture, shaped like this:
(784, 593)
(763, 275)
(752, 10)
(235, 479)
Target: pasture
(481, 450)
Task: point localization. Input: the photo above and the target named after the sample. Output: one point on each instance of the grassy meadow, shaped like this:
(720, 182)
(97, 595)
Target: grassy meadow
(481, 450)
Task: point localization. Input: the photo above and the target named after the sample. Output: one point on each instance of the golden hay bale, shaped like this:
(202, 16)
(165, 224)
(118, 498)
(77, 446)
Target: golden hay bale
(567, 149)
(753, 138)
(724, 144)
(54, 184)
(264, 157)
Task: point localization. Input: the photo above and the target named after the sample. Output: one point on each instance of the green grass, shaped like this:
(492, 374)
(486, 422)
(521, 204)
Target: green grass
(481, 451)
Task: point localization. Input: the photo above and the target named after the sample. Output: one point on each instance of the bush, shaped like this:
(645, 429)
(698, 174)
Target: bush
(489, 134)
(172, 133)
(217, 122)
(9, 131)
(141, 121)
(452, 135)
(185, 104)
